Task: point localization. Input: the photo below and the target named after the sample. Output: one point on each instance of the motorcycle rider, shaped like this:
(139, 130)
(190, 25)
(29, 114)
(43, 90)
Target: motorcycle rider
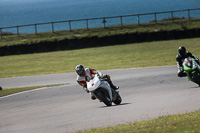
(83, 72)
(182, 54)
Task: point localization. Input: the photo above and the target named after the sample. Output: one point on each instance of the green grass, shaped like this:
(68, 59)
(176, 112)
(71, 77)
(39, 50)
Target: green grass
(157, 53)
(181, 123)
(9, 91)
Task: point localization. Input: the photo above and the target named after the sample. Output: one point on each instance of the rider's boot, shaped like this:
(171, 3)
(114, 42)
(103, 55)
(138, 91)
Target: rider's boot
(110, 82)
(113, 86)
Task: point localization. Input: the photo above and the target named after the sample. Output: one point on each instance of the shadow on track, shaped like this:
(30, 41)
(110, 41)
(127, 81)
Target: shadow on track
(115, 105)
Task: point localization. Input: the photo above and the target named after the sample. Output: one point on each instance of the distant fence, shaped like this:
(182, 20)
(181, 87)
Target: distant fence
(104, 21)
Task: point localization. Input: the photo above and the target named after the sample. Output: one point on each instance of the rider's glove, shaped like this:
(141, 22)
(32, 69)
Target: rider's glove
(99, 74)
(87, 78)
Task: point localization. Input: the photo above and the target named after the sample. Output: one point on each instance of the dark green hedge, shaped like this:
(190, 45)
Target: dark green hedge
(69, 44)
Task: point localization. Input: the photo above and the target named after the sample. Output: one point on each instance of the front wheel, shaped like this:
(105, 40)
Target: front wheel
(104, 97)
(196, 77)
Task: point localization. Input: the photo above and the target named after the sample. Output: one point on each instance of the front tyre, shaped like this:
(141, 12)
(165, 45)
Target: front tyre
(104, 97)
(196, 77)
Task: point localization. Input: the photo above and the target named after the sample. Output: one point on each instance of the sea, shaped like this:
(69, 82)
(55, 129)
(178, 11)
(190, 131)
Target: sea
(25, 12)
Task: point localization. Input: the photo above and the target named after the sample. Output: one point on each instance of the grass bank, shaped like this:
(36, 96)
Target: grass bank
(157, 53)
(181, 123)
(163, 25)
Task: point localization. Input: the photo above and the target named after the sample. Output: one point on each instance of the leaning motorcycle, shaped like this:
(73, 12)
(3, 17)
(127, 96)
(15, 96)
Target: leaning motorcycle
(101, 90)
(192, 69)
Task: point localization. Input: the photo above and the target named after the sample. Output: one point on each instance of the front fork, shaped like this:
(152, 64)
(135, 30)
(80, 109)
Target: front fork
(104, 85)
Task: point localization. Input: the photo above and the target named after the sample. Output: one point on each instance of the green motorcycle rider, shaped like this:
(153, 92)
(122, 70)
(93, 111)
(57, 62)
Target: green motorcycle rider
(182, 54)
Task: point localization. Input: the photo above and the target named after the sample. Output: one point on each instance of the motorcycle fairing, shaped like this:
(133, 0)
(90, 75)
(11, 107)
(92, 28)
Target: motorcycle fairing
(93, 83)
(190, 67)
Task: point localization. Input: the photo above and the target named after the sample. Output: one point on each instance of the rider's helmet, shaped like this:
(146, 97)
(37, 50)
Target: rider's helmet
(80, 70)
(182, 50)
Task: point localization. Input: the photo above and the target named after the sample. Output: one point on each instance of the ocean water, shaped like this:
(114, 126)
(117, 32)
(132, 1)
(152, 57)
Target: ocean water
(24, 12)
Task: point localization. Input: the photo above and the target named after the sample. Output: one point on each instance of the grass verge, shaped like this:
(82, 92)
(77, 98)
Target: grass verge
(9, 91)
(181, 123)
(157, 53)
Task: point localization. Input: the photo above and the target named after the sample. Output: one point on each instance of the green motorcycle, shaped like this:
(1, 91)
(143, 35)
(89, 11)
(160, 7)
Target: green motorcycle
(192, 69)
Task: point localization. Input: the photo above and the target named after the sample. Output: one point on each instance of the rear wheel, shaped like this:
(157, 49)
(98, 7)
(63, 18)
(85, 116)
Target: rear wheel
(104, 97)
(118, 100)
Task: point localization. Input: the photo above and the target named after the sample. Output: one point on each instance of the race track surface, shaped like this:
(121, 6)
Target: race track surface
(146, 92)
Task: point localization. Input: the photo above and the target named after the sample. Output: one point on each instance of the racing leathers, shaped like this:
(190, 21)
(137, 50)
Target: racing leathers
(180, 59)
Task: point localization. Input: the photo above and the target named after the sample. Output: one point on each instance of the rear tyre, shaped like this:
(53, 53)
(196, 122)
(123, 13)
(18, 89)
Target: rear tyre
(104, 97)
(118, 100)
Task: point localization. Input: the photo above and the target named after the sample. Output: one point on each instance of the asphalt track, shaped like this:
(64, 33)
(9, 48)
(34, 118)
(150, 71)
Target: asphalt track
(146, 92)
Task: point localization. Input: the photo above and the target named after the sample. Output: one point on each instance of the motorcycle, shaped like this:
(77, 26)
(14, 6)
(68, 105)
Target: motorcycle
(101, 90)
(192, 69)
